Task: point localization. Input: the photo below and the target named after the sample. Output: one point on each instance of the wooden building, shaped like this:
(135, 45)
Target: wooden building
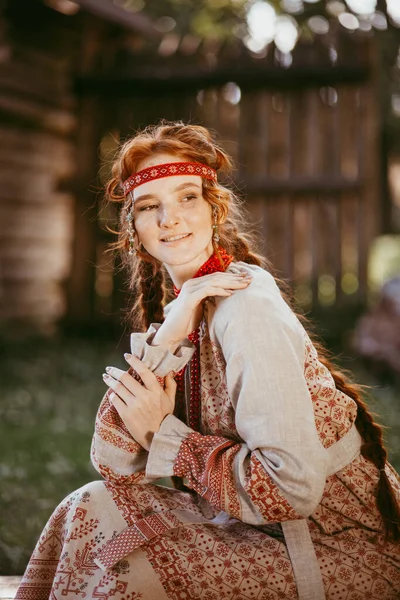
(43, 169)
(305, 136)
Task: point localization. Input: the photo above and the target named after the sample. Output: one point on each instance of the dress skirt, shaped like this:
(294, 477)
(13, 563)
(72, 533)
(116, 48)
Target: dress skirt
(126, 542)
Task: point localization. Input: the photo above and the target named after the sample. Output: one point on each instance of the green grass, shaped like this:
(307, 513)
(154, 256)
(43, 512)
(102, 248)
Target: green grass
(50, 392)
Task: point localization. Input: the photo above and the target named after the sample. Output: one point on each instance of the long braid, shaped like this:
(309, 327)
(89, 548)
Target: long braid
(371, 433)
(148, 280)
(372, 449)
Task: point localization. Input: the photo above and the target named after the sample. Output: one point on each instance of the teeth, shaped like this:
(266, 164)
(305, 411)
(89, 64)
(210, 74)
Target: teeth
(175, 237)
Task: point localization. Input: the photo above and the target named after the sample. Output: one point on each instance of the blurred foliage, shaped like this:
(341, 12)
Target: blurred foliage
(51, 389)
(227, 18)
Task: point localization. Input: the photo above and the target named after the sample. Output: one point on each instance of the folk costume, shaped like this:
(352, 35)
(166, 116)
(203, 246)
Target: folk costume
(277, 502)
(281, 503)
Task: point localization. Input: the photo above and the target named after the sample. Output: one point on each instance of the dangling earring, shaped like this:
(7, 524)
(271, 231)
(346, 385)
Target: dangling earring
(215, 236)
(131, 235)
(132, 250)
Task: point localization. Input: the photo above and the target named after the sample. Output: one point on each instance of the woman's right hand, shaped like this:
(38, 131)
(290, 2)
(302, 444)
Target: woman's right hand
(186, 311)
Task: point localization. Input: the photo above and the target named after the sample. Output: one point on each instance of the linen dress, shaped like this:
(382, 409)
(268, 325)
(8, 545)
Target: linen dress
(281, 503)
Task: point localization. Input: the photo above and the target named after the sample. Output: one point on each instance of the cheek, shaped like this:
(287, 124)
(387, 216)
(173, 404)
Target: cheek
(202, 218)
(144, 225)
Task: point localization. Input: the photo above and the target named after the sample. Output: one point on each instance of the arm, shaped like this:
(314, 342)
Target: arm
(278, 472)
(114, 453)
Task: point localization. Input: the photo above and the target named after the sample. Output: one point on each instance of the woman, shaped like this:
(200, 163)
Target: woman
(282, 488)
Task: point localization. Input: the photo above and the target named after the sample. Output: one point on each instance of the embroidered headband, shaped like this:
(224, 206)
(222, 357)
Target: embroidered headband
(168, 170)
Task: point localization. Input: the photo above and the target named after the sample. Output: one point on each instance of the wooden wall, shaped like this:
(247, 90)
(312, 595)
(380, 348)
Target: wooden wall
(305, 141)
(308, 168)
(38, 119)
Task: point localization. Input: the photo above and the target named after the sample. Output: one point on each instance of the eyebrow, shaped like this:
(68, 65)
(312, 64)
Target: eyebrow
(178, 188)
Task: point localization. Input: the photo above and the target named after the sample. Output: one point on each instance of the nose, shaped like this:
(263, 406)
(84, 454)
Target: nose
(168, 217)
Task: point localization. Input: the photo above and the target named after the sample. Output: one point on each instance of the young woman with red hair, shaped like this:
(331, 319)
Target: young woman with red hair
(282, 487)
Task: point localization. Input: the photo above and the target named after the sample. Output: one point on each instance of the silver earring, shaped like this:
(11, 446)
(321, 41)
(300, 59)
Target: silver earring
(215, 236)
(131, 235)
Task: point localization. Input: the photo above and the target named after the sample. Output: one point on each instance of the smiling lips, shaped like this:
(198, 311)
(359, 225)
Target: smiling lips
(175, 238)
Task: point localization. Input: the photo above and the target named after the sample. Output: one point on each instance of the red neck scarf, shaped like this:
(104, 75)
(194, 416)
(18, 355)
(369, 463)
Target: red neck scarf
(212, 265)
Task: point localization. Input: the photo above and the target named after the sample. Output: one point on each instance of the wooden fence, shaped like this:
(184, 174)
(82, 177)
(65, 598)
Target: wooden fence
(305, 141)
(307, 165)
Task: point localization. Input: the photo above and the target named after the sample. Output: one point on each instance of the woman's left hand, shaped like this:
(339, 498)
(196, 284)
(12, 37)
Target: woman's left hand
(141, 407)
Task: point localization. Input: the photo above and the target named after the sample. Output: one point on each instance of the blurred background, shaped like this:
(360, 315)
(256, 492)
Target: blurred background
(305, 94)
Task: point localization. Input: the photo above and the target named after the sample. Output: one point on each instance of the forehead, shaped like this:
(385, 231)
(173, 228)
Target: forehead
(164, 185)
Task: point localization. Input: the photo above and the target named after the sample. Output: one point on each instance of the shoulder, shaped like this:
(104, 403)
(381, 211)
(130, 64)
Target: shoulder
(259, 305)
(263, 292)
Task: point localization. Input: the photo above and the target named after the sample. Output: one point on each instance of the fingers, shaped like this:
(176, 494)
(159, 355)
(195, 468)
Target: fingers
(170, 386)
(229, 282)
(123, 384)
(218, 289)
(126, 386)
(149, 379)
(117, 402)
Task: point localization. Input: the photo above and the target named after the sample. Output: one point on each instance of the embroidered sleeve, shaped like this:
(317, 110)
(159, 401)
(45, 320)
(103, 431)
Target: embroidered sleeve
(114, 453)
(278, 472)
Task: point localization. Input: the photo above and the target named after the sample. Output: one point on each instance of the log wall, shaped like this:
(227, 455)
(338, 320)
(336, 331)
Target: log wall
(38, 119)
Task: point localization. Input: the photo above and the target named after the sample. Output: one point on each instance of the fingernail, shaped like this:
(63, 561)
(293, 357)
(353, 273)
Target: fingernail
(105, 376)
(127, 356)
(108, 369)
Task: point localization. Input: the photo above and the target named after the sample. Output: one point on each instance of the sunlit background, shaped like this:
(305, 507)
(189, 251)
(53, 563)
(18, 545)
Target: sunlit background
(305, 95)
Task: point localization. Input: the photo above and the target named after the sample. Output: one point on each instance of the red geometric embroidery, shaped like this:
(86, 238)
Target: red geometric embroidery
(232, 560)
(334, 411)
(118, 441)
(206, 463)
(266, 495)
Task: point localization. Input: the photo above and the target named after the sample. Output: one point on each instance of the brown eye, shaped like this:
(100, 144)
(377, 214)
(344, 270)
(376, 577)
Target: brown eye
(149, 207)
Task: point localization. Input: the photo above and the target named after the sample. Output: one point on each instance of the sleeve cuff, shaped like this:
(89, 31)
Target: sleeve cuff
(165, 448)
(159, 359)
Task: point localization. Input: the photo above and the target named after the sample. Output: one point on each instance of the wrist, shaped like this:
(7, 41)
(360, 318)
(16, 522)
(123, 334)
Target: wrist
(160, 340)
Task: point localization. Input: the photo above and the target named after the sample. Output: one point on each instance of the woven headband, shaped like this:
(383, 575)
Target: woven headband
(168, 170)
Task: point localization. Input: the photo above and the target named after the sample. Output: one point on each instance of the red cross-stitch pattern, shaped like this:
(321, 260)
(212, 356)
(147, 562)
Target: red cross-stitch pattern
(235, 562)
(232, 561)
(217, 413)
(266, 495)
(334, 411)
(168, 170)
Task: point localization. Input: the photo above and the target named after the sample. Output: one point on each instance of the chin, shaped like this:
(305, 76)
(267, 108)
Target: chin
(186, 256)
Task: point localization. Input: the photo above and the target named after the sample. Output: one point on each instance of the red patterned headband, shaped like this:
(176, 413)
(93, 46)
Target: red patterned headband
(168, 170)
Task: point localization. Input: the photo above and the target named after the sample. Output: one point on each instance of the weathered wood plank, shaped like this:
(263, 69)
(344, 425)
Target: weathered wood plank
(41, 222)
(298, 184)
(49, 118)
(49, 86)
(33, 151)
(8, 587)
(81, 284)
(35, 259)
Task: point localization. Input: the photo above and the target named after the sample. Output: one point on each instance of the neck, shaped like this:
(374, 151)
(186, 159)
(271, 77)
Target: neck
(184, 271)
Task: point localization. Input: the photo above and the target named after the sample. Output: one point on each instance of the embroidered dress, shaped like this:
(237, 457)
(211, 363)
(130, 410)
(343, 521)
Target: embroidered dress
(280, 504)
